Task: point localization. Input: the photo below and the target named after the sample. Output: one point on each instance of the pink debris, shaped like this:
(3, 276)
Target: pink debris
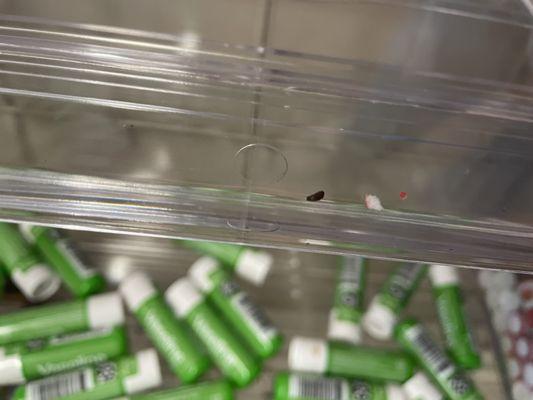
(372, 202)
(403, 195)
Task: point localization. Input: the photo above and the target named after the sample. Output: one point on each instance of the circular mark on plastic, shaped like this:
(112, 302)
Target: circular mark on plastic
(261, 163)
(253, 226)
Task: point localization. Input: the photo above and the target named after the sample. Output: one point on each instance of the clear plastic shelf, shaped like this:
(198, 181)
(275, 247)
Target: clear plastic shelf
(145, 129)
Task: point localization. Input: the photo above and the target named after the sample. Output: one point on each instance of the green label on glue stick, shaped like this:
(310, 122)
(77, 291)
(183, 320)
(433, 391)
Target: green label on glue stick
(250, 265)
(225, 349)
(43, 343)
(166, 333)
(452, 316)
(96, 312)
(383, 313)
(345, 316)
(127, 375)
(235, 304)
(34, 278)
(62, 354)
(447, 375)
(337, 358)
(60, 254)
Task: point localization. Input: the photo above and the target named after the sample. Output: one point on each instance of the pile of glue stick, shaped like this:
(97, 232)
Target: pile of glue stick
(510, 300)
(418, 369)
(79, 349)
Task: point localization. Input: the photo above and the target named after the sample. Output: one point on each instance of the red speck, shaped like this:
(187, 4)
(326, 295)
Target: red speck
(403, 195)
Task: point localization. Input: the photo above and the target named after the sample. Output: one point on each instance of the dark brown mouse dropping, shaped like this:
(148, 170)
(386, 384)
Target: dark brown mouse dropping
(316, 196)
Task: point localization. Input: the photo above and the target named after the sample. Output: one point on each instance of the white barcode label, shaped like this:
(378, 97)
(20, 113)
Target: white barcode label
(431, 352)
(254, 316)
(60, 385)
(320, 388)
(65, 247)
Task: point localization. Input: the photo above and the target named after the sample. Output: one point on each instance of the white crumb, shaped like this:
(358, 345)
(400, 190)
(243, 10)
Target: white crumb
(373, 203)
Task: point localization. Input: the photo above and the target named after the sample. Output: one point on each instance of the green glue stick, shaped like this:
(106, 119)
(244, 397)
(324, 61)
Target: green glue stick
(419, 387)
(226, 350)
(289, 386)
(346, 360)
(445, 282)
(251, 265)
(245, 316)
(36, 280)
(384, 310)
(448, 376)
(63, 354)
(166, 333)
(345, 317)
(58, 251)
(127, 375)
(217, 390)
(96, 312)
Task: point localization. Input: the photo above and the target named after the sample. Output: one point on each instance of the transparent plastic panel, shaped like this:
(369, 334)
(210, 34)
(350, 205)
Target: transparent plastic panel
(136, 126)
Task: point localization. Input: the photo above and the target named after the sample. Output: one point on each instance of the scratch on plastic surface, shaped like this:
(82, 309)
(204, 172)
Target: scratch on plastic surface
(372, 202)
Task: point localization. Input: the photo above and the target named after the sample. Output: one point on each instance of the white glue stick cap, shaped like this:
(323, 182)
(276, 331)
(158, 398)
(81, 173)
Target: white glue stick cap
(443, 275)
(395, 392)
(105, 310)
(502, 280)
(25, 230)
(11, 371)
(136, 289)
(379, 320)
(345, 331)
(521, 391)
(37, 283)
(148, 374)
(508, 301)
(254, 266)
(200, 273)
(182, 297)
(528, 374)
(308, 355)
(419, 387)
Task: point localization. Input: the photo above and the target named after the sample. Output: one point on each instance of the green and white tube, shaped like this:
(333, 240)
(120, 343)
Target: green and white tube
(289, 386)
(63, 354)
(343, 359)
(58, 251)
(217, 390)
(127, 375)
(453, 319)
(345, 317)
(236, 306)
(166, 333)
(96, 312)
(448, 376)
(251, 265)
(384, 310)
(225, 349)
(36, 280)
(419, 387)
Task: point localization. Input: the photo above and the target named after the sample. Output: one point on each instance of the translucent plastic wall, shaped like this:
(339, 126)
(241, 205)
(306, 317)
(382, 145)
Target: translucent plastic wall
(216, 120)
